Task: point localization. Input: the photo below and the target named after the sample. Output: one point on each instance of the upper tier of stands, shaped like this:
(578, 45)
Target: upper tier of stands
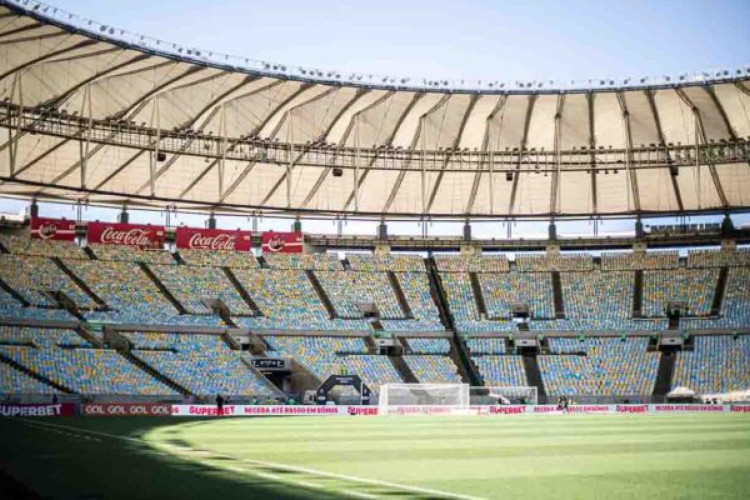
(219, 258)
(33, 277)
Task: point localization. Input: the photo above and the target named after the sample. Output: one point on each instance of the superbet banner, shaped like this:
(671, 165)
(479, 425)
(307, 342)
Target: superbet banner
(194, 238)
(134, 235)
(273, 242)
(39, 410)
(53, 229)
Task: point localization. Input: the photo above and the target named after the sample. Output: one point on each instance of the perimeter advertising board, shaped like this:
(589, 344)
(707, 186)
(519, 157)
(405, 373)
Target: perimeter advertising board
(53, 229)
(134, 235)
(194, 238)
(273, 242)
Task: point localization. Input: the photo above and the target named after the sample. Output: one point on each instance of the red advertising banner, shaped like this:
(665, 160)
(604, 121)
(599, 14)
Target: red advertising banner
(213, 239)
(53, 229)
(42, 410)
(273, 242)
(134, 235)
(126, 410)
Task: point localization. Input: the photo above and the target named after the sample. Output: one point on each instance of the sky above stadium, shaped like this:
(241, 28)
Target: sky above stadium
(473, 40)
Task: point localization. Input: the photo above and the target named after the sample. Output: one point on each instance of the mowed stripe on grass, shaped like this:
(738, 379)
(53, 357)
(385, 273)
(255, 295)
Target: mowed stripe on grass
(587, 456)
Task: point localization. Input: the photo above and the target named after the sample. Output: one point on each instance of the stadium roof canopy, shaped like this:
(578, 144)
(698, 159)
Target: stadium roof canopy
(95, 114)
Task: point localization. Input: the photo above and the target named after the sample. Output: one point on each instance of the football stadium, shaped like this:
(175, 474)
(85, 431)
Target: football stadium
(143, 356)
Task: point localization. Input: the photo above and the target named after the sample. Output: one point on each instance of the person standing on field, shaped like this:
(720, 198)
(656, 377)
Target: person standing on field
(219, 405)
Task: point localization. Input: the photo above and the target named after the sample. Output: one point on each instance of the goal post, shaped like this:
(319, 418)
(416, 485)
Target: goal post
(443, 395)
(509, 394)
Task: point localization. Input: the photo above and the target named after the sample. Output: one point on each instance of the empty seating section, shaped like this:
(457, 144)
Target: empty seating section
(718, 258)
(611, 367)
(16, 382)
(429, 346)
(433, 369)
(32, 276)
(373, 369)
(475, 264)
(42, 338)
(486, 346)
(501, 370)
(346, 289)
(24, 245)
(288, 302)
(12, 308)
(202, 364)
(66, 359)
(603, 300)
(426, 317)
(717, 364)
(219, 258)
(694, 287)
(190, 285)
(617, 261)
(132, 254)
(322, 356)
(569, 262)
(501, 291)
(127, 290)
(462, 306)
(304, 261)
(400, 263)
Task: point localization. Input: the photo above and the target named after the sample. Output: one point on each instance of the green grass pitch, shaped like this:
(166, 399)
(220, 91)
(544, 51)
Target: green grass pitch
(567, 456)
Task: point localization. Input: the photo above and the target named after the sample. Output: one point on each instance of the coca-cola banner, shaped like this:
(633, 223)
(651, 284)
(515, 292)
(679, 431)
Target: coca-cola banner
(40, 410)
(273, 242)
(53, 229)
(134, 235)
(213, 239)
(126, 410)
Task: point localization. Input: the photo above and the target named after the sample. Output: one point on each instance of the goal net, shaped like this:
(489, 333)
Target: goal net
(504, 395)
(451, 396)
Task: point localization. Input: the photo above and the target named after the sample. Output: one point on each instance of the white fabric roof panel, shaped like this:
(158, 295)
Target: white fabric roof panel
(49, 68)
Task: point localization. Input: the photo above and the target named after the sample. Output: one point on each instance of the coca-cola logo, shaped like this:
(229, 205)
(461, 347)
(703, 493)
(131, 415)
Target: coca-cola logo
(218, 242)
(47, 231)
(131, 237)
(276, 244)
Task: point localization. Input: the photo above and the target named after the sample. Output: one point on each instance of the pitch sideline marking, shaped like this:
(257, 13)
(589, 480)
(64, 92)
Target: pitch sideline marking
(291, 468)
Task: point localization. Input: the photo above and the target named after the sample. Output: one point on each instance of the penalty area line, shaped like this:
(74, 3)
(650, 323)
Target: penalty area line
(290, 468)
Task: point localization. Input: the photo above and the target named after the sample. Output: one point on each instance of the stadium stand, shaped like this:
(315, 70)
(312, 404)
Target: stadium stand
(68, 360)
(400, 263)
(462, 305)
(24, 245)
(501, 370)
(15, 382)
(694, 287)
(599, 366)
(433, 369)
(480, 346)
(219, 258)
(288, 302)
(476, 264)
(12, 309)
(374, 370)
(718, 258)
(130, 294)
(202, 364)
(191, 285)
(633, 261)
(347, 289)
(33, 277)
(502, 290)
(717, 364)
(569, 262)
(304, 261)
(132, 254)
(322, 356)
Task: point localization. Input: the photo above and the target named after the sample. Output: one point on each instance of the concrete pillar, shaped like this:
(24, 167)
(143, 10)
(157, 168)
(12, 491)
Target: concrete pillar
(34, 209)
(639, 233)
(297, 226)
(382, 231)
(124, 217)
(552, 231)
(727, 227)
(467, 231)
(211, 223)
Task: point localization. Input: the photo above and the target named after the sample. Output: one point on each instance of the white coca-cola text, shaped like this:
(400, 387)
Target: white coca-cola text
(131, 237)
(217, 242)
